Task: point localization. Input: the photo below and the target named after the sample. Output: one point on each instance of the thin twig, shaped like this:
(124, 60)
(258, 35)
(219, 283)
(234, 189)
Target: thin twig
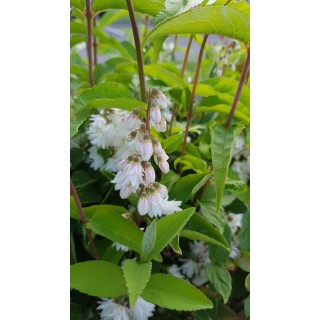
(146, 25)
(84, 220)
(175, 106)
(138, 50)
(89, 16)
(239, 89)
(195, 82)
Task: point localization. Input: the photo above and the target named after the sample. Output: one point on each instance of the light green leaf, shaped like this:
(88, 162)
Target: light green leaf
(151, 7)
(116, 228)
(208, 210)
(182, 190)
(148, 239)
(220, 278)
(172, 143)
(109, 17)
(167, 228)
(98, 278)
(112, 255)
(223, 20)
(247, 282)
(73, 209)
(77, 117)
(199, 224)
(106, 90)
(136, 276)
(243, 261)
(105, 208)
(120, 103)
(169, 179)
(169, 292)
(191, 163)
(222, 141)
(78, 4)
(174, 244)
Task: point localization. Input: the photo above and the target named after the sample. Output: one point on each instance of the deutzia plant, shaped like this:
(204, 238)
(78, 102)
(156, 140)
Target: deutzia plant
(160, 160)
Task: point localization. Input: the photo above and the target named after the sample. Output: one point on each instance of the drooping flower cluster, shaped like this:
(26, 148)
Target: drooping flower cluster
(234, 222)
(119, 310)
(241, 163)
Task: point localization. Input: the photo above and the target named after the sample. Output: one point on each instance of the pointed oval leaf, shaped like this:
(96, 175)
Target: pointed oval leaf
(116, 228)
(98, 278)
(136, 276)
(167, 228)
(228, 21)
(220, 277)
(222, 141)
(170, 292)
(149, 238)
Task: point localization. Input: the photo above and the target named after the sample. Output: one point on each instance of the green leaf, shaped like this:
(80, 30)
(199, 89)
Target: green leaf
(73, 209)
(172, 143)
(247, 306)
(167, 228)
(120, 103)
(191, 163)
(174, 244)
(136, 276)
(247, 282)
(112, 255)
(243, 261)
(78, 4)
(149, 238)
(202, 226)
(98, 278)
(223, 20)
(116, 228)
(151, 7)
(183, 189)
(220, 278)
(77, 117)
(208, 210)
(169, 179)
(222, 140)
(105, 208)
(244, 237)
(169, 292)
(106, 90)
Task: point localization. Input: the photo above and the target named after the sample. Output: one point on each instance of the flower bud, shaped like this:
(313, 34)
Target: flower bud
(144, 147)
(155, 113)
(125, 191)
(150, 175)
(159, 98)
(143, 204)
(162, 163)
(161, 126)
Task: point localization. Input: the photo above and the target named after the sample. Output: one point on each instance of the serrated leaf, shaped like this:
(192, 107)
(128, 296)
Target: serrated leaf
(151, 7)
(169, 292)
(77, 117)
(149, 238)
(116, 228)
(182, 190)
(98, 278)
(222, 141)
(167, 228)
(136, 276)
(202, 226)
(228, 21)
(106, 90)
(220, 278)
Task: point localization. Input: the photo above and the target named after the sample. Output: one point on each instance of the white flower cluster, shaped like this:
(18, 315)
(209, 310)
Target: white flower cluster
(234, 222)
(241, 164)
(193, 269)
(112, 310)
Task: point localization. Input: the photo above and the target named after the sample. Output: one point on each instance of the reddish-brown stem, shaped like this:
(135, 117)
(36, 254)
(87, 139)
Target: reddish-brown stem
(239, 89)
(175, 42)
(95, 45)
(146, 25)
(138, 50)
(83, 219)
(195, 82)
(175, 106)
(89, 17)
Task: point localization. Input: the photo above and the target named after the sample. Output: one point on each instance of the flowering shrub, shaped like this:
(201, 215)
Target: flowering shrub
(160, 160)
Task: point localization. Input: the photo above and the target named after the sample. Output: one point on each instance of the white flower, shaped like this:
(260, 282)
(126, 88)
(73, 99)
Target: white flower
(143, 204)
(126, 190)
(149, 173)
(190, 267)
(242, 168)
(162, 163)
(131, 121)
(167, 115)
(155, 113)
(120, 247)
(112, 165)
(175, 271)
(161, 189)
(113, 311)
(161, 126)
(169, 207)
(200, 250)
(155, 196)
(159, 98)
(96, 160)
(97, 131)
(234, 221)
(157, 148)
(144, 146)
(234, 251)
(142, 309)
(200, 278)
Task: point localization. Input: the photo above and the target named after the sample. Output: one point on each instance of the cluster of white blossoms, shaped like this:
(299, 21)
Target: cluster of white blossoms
(113, 310)
(234, 222)
(193, 268)
(241, 163)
